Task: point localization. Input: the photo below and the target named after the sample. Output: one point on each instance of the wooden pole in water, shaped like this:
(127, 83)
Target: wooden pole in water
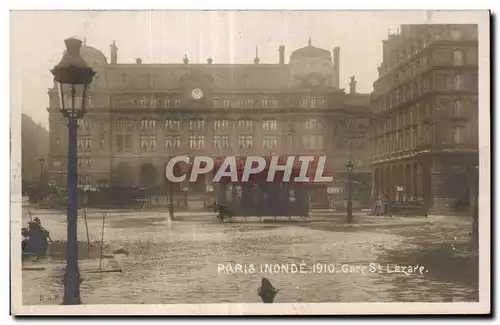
(87, 229)
(102, 239)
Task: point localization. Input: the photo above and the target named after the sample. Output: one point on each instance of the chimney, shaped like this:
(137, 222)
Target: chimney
(138, 60)
(282, 54)
(336, 66)
(209, 60)
(352, 85)
(114, 53)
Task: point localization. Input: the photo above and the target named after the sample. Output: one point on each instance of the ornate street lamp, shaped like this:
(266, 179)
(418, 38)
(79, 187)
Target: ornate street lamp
(72, 77)
(349, 191)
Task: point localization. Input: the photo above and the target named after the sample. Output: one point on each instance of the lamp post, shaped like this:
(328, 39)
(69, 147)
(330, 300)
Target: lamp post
(349, 191)
(40, 186)
(72, 77)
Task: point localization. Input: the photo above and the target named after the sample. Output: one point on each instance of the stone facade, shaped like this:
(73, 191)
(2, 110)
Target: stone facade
(140, 114)
(425, 121)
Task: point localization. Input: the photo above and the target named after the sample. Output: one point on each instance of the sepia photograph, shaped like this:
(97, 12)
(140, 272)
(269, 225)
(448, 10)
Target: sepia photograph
(250, 162)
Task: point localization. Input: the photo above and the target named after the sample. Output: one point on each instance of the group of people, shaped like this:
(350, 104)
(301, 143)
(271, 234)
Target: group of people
(35, 238)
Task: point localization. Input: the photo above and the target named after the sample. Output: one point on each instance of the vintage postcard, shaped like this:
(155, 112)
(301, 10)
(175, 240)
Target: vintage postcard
(250, 162)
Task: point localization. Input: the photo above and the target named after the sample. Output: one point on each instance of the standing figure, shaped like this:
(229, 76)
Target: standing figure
(387, 200)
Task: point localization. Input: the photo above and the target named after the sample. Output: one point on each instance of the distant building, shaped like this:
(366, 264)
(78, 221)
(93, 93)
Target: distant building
(425, 124)
(140, 114)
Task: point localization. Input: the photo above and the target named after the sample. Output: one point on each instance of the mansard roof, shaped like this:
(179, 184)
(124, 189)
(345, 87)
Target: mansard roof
(220, 76)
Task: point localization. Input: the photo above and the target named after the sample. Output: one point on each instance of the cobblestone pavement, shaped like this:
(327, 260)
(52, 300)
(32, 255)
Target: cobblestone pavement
(194, 259)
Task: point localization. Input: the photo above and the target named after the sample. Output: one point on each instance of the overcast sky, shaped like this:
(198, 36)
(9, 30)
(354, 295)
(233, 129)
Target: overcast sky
(227, 37)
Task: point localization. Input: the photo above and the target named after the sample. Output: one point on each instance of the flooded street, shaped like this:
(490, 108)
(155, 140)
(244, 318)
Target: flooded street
(193, 260)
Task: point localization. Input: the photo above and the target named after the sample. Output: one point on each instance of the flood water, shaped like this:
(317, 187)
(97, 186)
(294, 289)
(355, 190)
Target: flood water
(194, 260)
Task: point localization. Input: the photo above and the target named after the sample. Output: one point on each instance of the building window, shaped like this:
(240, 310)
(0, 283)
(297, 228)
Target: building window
(123, 135)
(177, 103)
(264, 103)
(360, 144)
(312, 102)
(168, 103)
(457, 82)
(102, 131)
(172, 125)
(290, 142)
(221, 141)
(269, 142)
(226, 103)
(245, 125)
(85, 143)
(313, 141)
(88, 180)
(458, 57)
(456, 34)
(152, 142)
(458, 134)
(269, 125)
(196, 142)
(80, 143)
(457, 108)
(197, 125)
(86, 124)
(79, 161)
(148, 125)
(148, 143)
(143, 102)
(172, 142)
(249, 103)
(216, 103)
(274, 103)
(245, 141)
(221, 126)
(314, 124)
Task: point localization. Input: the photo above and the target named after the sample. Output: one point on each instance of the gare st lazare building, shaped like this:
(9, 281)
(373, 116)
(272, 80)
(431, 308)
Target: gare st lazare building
(142, 114)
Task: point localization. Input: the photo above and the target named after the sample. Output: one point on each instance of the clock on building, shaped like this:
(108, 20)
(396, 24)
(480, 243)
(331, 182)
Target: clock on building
(196, 93)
